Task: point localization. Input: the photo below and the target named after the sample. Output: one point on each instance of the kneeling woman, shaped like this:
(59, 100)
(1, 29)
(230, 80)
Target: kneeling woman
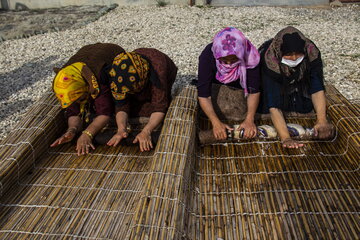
(82, 87)
(230, 60)
(293, 82)
(141, 83)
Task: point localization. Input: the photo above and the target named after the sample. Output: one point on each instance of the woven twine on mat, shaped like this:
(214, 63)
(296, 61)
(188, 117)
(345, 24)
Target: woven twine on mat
(28, 140)
(253, 189)
(257, 189)
(173, 156)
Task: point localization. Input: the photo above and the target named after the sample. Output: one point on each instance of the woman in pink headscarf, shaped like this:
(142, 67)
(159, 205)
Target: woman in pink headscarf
(232, 60)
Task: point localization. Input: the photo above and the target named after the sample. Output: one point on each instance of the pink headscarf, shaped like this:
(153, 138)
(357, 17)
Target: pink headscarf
(230, 41)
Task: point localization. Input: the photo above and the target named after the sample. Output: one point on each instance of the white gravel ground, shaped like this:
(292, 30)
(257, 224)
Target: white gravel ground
(181, 32)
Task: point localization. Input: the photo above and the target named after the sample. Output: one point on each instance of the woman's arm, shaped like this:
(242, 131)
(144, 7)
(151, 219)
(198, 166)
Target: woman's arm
(74, 126)
(85, 140)
(206, 73)
(279, 123)
(121, 122)
(155, 119)
(281, 128)
(219, 128)
(144, 137)
(323, 129)
(253, 86)
(319, 102)
(248, 124)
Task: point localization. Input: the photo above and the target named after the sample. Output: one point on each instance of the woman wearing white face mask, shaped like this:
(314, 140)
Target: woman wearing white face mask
(292, 77)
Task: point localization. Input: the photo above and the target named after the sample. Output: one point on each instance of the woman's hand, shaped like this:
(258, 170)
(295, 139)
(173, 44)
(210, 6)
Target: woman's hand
(291, 143)
(116, 139)
(249, 129)
(84, 143)
(324, 130)
(144, 140)
(219, 130)
(66, 137)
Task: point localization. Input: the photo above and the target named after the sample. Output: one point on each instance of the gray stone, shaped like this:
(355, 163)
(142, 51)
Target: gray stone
(336, 3)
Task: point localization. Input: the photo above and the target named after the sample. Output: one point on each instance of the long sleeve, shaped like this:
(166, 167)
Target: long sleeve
(253, 80)
(103, 103)
(124, 107)
(316, 80)
(206, 72)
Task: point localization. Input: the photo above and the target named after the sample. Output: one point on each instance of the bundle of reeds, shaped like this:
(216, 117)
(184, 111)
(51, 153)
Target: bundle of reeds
(28, 140)
(161, 212)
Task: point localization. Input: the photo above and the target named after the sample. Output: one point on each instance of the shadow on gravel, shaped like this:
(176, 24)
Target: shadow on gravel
(181, 81)
(26, 75)
(12, 107)
(15, 24)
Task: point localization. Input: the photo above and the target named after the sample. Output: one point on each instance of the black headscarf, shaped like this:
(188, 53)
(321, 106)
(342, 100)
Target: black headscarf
(292, 43)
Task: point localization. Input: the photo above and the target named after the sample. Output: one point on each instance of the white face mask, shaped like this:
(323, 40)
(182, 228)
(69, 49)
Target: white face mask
(292, 63)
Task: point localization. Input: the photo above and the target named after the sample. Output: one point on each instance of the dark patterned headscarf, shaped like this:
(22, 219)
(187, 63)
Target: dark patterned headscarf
(129, 74)
(274, 54)
(296, 78)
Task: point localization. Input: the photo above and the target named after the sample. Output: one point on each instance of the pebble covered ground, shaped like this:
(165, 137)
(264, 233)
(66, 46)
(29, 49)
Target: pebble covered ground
(181, 32)
(15, 24)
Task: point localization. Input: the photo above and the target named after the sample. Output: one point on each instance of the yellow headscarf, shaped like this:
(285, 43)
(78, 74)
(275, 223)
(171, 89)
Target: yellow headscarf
(69, 84)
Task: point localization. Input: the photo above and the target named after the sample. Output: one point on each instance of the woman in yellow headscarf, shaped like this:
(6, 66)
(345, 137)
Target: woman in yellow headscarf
(82, 87)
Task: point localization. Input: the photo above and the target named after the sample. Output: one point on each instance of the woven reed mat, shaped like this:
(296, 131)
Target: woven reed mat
(51, 193)
(251, 189)
(259, 190)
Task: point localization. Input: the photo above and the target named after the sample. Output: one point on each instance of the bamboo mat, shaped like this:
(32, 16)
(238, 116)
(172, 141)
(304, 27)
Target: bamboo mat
(54, 194)
(249, 189)
(161, 213)
(28, 140)
(258, 190)
(66, 196)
